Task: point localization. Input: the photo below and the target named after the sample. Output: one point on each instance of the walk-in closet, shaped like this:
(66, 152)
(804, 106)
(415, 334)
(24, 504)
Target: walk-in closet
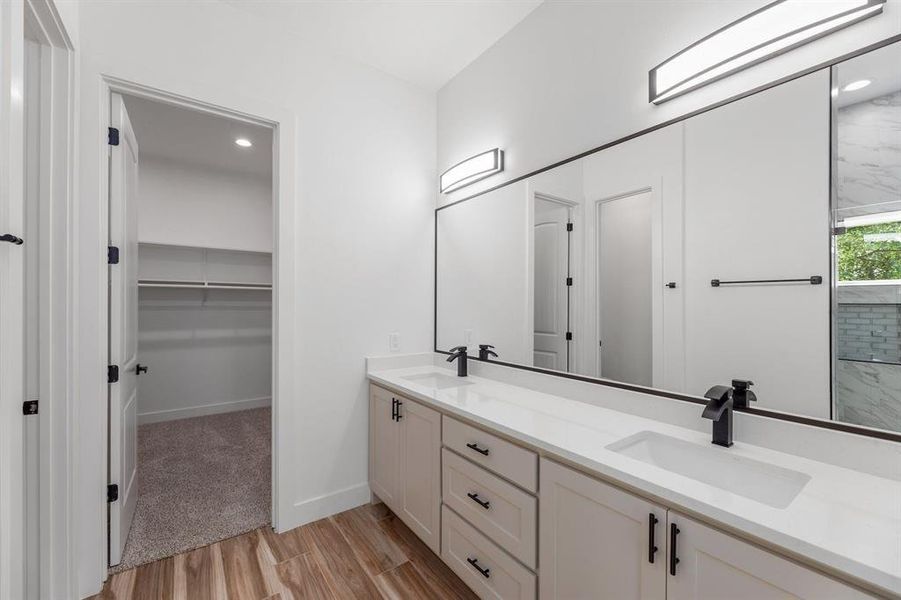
(194, 216)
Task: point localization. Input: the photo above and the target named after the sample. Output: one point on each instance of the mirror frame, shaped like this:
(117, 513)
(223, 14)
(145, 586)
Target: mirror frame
(883, 434)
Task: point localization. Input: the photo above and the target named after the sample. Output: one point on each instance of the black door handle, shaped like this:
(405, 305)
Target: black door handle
(140, 369)
(486, 572)
(394, 409)
(673, 559)
(475, 498)
(474, 446)
(652, 526)
(12, 239)
(399, 416)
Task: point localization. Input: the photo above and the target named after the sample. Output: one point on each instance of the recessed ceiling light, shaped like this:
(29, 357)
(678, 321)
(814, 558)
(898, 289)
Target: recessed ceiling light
(244, 142)
(856, 85)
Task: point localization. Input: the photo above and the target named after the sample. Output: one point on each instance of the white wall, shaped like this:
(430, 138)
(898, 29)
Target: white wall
(757, 207)
(195, 205)
(484, 271)
(358, 229)
(574, 75)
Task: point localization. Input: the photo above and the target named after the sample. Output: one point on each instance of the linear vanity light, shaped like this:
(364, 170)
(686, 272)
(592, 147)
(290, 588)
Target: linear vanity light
(759, 36)
(472, 169)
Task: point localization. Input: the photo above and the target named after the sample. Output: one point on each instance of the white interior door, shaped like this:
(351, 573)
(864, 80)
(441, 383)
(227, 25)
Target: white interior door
(625, 319)
(123, 330)
(551, 268)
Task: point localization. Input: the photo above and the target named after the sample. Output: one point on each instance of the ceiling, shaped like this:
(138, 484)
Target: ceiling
(424, 42)
(184, 135)
(880, 67)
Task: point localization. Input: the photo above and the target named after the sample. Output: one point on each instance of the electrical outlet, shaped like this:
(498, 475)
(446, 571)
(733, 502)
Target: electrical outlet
(394, 342)
(467, 337)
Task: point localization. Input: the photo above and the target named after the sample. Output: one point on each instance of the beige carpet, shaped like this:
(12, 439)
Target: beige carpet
(200, 480)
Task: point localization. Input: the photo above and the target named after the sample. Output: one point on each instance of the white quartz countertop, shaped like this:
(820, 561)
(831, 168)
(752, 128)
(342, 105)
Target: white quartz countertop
(842, 520)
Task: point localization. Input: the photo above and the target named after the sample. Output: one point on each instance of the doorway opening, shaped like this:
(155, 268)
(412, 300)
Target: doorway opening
(624, 294)
(190, 327)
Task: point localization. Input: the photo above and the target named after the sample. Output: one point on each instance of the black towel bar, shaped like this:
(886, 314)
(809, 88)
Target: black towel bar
(812, 280)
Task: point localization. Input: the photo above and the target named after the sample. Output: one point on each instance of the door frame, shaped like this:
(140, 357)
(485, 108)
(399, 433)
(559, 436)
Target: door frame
(95, 456)
(575, 271)
(51, 472)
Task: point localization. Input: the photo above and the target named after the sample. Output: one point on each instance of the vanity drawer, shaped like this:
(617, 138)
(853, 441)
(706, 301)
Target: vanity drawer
(485, 568)
(500, 510)
(508, 460)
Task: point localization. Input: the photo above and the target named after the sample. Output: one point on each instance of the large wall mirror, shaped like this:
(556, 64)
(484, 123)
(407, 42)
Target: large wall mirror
(759, 240)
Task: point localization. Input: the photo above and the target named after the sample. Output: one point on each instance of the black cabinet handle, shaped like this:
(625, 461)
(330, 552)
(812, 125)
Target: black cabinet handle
(474, 446)
(652, 526)
(139, 368)
(12, 239)
(673, 559)
(486, 572)
(399, 416)
(475, 498)
(394, 409)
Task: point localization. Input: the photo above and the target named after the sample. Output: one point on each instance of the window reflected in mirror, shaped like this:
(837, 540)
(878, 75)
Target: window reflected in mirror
(867, 213)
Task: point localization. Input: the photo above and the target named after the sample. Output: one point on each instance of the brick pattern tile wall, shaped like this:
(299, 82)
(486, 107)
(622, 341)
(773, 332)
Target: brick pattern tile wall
(869, 332)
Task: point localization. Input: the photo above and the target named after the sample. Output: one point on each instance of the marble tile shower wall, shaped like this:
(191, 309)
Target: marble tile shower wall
(869, 332)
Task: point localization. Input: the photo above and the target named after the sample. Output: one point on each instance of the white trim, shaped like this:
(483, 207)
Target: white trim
(174, 414)
(330, 504)
(12, 476)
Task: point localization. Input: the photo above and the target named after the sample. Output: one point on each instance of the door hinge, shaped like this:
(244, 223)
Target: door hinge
(569, 336)
(569, 281)
(112, 373)
(112, 255)
(113, 136)
(112, 492)
(569, 226)
(30, 407)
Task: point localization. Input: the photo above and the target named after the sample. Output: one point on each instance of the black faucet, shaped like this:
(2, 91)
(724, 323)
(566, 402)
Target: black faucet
(741, 395)
(459, 354)
(485, 352)
(719, 410)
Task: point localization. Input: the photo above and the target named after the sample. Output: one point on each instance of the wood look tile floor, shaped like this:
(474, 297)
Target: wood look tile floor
(366, 552)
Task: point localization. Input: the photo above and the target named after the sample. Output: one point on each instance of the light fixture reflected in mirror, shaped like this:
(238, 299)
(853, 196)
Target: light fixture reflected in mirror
(856, 85)
(472, 169)
(761, 35)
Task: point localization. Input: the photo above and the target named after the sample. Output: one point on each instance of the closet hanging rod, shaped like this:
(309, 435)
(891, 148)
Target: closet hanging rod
(812, 280)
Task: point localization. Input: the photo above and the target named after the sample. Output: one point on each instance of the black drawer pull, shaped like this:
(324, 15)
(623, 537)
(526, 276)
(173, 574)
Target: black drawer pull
(652, 526)
(673, 559)
(474, 446)
(398, 416)
(486, 573)
(475, 498)
(394, 409)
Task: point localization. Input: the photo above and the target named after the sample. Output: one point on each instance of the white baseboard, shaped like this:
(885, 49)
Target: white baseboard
(199, 411)
(321, 507)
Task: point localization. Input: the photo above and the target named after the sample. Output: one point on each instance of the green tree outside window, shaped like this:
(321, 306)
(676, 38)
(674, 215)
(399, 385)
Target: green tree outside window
(865, 253)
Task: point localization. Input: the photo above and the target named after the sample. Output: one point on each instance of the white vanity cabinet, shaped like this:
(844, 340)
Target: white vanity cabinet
(597, 541)
(405, 461)
(712, 564)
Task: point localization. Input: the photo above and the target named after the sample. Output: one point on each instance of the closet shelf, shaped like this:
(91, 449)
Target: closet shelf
(202, 285)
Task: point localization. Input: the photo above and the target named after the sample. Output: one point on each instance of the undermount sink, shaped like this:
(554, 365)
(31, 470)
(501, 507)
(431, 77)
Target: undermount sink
(768, 484)
(438, 381)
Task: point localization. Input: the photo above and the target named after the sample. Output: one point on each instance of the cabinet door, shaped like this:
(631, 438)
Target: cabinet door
(596, 541)
(420, 471)
(713, 565)
(384, 447)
